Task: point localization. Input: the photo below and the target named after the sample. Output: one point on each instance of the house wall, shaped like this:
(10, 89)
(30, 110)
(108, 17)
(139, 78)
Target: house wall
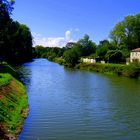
(134, 56)
(89, 60)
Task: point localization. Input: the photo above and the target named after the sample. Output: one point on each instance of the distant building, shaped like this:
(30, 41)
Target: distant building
(135, 55)
(102, 62)
(87, 60)
(70, 44)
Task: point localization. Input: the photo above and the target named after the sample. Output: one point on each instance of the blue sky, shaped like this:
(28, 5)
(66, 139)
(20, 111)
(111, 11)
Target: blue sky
(55, 22)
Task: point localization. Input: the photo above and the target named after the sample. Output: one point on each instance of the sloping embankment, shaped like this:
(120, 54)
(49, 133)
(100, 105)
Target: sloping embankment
(13, 107)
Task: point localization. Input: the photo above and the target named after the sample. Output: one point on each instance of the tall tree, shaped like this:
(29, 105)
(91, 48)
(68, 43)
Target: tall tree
(71, 57)
(127, 33)
(15, 38)
(86, 46)
(114, 56)
(6, 8)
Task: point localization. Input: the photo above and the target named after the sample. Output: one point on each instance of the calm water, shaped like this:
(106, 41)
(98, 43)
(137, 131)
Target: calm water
(77, 105)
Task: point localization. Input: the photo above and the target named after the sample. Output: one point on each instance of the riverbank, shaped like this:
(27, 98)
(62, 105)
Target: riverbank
(132, 70)
(13, 104)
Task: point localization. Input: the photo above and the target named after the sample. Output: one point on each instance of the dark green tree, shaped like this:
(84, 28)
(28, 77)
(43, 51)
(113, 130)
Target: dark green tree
(114, 56)
(71, 57)
(15, 38)
(6, 8)
(103, 47)
(101, 52)
(86, 46)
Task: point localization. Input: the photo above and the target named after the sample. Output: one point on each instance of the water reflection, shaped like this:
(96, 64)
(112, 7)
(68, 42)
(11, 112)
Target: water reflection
(25, 75)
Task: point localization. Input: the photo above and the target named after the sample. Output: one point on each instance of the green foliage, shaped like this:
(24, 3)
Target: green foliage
(132, 71)
(6, 8)
(48, 52)
(101, 52)
(103, 47)
(71, 57)
(125, 52)
(15, 38)
(59, 60)
(4, 79)
(127, 33)
(85, 46)
(114, 56)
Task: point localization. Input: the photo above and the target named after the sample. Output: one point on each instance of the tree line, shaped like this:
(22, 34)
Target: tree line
(16, 41)
(124, 37)
(15, 38)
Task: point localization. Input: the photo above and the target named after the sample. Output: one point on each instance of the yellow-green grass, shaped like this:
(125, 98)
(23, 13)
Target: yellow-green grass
(4, 79)
(132, 70)
(59, 60)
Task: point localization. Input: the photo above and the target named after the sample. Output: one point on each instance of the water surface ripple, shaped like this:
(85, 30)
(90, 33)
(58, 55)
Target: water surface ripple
(78, 105)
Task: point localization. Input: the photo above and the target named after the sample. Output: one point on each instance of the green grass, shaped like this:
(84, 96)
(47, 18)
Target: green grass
(132, 70)
(59, 60)
(12, 103)
(4, 79)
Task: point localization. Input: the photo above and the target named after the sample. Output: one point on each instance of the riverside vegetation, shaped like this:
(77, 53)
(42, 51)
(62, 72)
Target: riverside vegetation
(13, 106)
(72, 61)
(123, 38)
(15, 48)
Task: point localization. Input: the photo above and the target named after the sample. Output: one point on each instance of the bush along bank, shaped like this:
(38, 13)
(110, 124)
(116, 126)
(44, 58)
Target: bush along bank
(132, 70)
(13, 106)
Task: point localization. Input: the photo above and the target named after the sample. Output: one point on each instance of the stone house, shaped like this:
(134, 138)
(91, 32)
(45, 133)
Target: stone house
(135, 55)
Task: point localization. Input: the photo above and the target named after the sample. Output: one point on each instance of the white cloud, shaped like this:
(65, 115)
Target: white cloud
(68, 35)
(51, 41)
(77, 30)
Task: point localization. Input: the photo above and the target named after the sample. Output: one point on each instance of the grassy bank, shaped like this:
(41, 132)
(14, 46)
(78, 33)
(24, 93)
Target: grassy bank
(13, 104)
(132, 70)
(59, 60)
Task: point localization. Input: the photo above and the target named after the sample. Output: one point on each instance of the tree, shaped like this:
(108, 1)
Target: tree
(18, 43)
(86, 46)
(104, 43)
(101, 52)
(114, 56)
(22, 43)
(6, 8)
(71, 57)
(15, 38)
(127, 33)
(103, 47)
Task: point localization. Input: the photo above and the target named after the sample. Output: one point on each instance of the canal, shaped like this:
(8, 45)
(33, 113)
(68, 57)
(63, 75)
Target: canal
(78, 105)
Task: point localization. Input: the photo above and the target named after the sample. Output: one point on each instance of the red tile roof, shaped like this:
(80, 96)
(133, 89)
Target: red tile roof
(136, 50)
